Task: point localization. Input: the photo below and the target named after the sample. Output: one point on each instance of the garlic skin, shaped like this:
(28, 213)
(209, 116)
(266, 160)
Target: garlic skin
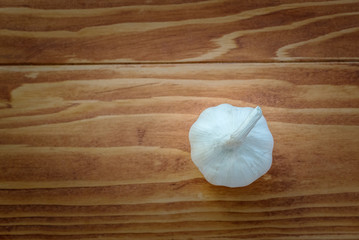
(231, 146)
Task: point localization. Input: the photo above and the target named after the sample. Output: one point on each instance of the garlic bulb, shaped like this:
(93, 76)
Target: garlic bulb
(231, 146)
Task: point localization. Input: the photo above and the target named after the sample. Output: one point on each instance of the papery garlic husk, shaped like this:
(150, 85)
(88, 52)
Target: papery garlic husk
(231, 146)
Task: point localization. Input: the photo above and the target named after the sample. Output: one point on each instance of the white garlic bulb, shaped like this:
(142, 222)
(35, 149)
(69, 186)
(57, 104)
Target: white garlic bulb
(231, 146)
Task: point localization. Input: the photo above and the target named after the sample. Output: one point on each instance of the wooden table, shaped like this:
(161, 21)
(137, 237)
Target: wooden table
(97, 98)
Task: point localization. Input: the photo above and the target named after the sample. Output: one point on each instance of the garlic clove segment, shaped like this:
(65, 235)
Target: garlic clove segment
(231, 146)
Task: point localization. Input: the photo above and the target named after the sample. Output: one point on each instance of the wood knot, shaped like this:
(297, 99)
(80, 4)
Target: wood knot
(140, 135)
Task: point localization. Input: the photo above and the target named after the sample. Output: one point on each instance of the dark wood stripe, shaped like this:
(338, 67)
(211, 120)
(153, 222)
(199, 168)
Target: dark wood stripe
(191, 31)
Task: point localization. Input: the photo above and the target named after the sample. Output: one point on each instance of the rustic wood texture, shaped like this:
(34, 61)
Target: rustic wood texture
(102, 152)
(94, 141)
(67, 31)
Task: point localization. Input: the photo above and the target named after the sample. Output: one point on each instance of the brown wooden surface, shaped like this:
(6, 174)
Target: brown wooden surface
(101, 151)
(67, 31)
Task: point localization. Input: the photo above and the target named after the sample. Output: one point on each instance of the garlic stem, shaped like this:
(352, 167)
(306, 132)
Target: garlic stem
(243, 130)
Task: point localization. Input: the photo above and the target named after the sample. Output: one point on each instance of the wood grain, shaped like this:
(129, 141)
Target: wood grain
(66, 31)
(102, 151)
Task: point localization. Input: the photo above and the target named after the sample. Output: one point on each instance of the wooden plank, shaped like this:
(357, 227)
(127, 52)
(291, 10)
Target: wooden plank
(43, 32)
(102, 151)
